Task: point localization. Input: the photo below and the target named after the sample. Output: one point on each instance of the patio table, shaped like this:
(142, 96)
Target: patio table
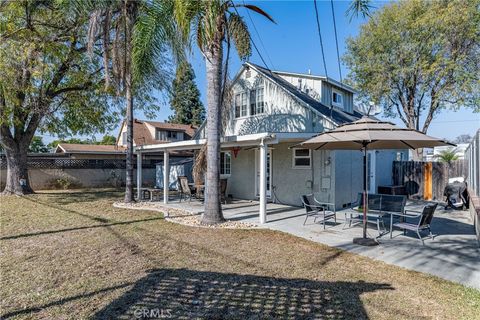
(375, 214)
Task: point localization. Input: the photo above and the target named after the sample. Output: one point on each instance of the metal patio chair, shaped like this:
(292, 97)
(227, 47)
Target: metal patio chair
(424, 220)
(318, 210)
(185, 191)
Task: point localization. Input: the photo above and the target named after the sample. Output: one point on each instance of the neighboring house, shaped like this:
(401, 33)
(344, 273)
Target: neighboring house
(90, 151)
(150, 132)
(271, 113)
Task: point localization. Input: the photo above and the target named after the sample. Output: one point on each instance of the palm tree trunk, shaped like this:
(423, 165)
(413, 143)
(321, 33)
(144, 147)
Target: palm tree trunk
(213, 209)
(129, 14)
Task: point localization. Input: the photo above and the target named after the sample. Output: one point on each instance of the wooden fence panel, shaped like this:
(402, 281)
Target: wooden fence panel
(414, 176)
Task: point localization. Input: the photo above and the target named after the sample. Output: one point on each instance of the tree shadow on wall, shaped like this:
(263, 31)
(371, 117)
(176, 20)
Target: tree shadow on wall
(276, 122)
(190, 294)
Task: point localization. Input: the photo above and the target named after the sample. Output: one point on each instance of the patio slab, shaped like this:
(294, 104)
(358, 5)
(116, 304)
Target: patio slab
(454, 254)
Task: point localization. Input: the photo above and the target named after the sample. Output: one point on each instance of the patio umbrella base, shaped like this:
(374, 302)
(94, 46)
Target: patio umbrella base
(368, 242)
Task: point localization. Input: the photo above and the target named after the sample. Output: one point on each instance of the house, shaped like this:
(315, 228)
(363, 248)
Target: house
(90, 151)
(273, 111)
(144, 132)
(151, 132)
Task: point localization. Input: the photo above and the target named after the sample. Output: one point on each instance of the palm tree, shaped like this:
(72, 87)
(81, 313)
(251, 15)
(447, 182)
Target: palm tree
(447, 156)
(215, 22)
(134, 36)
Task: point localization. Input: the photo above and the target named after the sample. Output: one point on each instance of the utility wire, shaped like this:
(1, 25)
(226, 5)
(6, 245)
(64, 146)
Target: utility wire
(336, 41)
(320, 36)
(259, 38)
(253, 42)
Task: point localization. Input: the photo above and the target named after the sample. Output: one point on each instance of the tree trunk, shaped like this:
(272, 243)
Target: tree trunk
(213, 209)
(129, 160)
(17, 170)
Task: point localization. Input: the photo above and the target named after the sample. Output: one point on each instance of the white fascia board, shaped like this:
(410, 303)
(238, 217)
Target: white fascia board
(231, 141)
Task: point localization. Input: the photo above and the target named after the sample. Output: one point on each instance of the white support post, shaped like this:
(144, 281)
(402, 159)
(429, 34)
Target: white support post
(166, 176)
(263, 182)
(139, 176)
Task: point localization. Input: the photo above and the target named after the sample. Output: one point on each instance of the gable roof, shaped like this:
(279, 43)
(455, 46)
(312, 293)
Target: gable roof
(141, 134)
(88, 148)
(336, 115)
(316, 77)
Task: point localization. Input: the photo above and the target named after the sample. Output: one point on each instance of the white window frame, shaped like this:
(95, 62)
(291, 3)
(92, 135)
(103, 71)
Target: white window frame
(338, 93)
(243, 105)
(294, 157)
(256, 103)
(226, 164)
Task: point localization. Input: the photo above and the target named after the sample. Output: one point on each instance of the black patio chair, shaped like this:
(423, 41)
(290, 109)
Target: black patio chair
(318, 210)
(424, 220)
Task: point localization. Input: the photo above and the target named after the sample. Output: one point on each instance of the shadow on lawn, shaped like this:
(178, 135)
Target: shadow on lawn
(83, 196)
(187, 294)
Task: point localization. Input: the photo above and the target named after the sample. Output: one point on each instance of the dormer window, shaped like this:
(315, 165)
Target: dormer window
(166, 135)
(337, 98)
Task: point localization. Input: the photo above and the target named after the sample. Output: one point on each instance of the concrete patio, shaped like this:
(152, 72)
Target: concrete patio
(454, 254)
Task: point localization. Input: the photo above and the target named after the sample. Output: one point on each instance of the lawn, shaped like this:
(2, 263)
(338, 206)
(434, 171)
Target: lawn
(74, 256)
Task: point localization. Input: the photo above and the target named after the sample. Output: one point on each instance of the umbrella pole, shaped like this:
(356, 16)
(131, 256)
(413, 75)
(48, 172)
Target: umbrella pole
(364, 241)
(364, 192)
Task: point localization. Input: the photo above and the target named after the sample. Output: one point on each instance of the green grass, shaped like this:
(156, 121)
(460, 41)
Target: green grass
(74, 256)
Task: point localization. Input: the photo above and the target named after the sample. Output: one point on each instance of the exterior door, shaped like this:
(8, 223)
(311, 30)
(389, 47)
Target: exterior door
(371, 169)
(269, 173)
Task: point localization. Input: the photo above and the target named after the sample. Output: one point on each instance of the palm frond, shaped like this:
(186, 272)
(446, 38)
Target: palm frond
(357, 7)
(257, 10)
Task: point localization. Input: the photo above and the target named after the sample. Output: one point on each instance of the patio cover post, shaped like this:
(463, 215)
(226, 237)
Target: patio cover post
(263, 182)
(139, 176)
(166, 175)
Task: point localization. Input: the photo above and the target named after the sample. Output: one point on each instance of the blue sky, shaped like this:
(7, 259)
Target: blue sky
(292, 44)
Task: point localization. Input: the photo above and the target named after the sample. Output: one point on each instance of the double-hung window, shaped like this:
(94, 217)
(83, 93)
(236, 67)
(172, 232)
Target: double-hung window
(256, 101)
(241, 105)
(302, 158)
(225, 163)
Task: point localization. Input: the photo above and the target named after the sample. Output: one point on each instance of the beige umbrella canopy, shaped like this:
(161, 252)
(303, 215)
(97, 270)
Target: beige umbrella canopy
(368, 133)
(373, 134)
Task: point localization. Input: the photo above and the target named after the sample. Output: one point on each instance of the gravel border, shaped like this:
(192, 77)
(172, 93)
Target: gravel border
(184, 217)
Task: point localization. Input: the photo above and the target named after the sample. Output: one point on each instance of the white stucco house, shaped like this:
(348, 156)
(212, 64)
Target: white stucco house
(271, 112)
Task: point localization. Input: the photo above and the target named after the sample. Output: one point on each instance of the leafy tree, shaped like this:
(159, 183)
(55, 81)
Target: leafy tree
(108, 140)
(463, 138)
(47, 82)
(185, 97)
(37, 145)
(416, 58)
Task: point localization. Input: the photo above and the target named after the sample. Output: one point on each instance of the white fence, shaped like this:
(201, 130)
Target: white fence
(472, 155)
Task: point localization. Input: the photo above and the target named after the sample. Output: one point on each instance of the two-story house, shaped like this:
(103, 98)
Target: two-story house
(270, 113)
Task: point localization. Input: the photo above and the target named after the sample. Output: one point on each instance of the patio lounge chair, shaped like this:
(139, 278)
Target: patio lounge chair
(185, 191)
(424, 221)
(318, 210)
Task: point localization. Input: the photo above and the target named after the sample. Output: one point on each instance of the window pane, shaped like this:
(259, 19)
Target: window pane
(243, 111)
(237, 106)
(222, 163)
(302, 152)
(227, 162)
(302, 161)
(259, 108)
(253, 110)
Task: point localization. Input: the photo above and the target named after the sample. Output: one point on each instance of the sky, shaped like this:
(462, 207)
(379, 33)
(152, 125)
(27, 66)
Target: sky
(292, 44)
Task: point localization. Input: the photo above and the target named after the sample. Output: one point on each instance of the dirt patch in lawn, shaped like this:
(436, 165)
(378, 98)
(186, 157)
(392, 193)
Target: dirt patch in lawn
(73, 256)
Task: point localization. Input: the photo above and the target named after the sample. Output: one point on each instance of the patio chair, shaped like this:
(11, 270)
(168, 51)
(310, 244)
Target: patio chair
(424, 221)
(318, 210)
(185, 191)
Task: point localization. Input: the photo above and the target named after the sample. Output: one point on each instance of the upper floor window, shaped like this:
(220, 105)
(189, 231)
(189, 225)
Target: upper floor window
(166, 135)
(337, 98)
(256, 101)
(241, 105)
(302, 158)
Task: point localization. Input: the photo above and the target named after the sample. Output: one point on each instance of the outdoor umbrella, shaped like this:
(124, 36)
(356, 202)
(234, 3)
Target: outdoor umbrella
(367, 134)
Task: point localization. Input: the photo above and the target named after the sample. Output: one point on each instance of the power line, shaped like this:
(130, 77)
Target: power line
(336, 41)
(259, 38)
(320, 36)
(253, 42)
